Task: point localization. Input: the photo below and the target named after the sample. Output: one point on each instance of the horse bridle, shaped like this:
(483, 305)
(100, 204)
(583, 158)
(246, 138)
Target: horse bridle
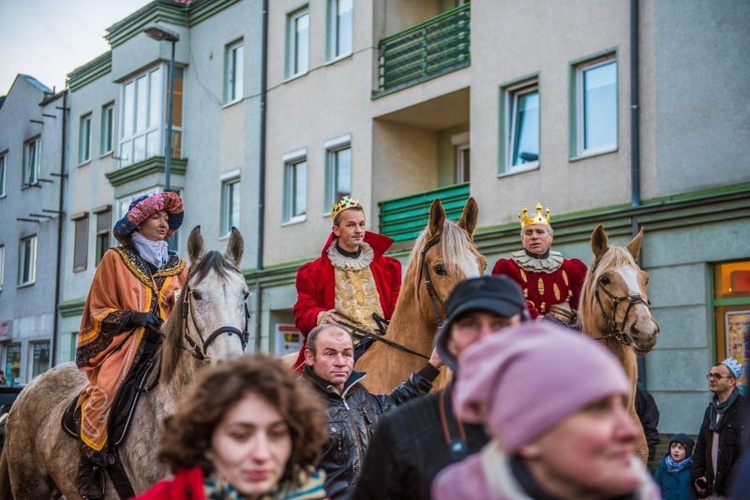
(616, 332)
(434, 299)
(200, 352)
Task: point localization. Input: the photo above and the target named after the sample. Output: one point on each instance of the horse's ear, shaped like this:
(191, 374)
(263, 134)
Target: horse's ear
(437, 219)
(235, 247)
(468, 220)
(196, 250)
(599, 242)
(634, 247)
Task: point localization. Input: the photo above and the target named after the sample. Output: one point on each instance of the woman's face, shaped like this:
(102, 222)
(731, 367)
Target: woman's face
(155, 228)
(589, 454)
(251, 446)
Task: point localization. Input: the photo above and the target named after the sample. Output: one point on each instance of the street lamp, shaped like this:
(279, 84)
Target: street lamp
(161, 34)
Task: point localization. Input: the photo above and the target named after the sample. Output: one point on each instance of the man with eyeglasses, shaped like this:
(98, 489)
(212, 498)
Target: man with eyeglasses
(719, 444)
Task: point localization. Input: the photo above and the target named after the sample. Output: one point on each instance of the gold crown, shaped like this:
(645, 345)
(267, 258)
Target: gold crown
(343, 204)
(536, 219)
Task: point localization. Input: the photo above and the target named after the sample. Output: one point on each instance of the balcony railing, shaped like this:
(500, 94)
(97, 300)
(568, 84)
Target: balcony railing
(430, 49)
(404, 218)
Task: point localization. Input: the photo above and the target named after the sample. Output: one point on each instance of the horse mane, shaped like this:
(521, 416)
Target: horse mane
(173, 328)
(614, 257)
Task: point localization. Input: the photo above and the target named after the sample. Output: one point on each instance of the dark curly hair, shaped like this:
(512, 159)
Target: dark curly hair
(187, 434)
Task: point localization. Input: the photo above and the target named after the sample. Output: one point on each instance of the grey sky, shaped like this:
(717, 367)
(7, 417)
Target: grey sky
(48, 39)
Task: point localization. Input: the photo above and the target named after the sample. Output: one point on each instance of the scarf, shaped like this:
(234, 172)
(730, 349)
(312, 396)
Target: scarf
(673, 466)
(308, 484)
(155, 253)
(718, 409)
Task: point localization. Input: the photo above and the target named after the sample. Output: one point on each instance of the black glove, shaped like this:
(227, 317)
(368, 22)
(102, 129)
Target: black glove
(145, 319)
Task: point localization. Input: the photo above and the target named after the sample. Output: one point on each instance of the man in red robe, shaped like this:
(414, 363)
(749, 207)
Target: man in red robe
(352, 282)
(550, 283)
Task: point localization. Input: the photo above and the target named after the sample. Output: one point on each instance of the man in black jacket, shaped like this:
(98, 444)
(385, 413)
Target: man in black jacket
(352, 410)
(719, 446)
(416, 441)
(648, 414)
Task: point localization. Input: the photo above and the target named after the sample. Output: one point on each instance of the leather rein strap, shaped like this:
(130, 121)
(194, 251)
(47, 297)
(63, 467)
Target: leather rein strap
(428, 282)
(616, 332)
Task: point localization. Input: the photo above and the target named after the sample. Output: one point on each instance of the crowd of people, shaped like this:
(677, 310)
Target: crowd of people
(533, 410)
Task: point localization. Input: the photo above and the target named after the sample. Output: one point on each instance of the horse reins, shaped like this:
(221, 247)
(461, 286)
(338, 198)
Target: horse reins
(364, 334)
(428, 282)
(199, 352)
(616, 332)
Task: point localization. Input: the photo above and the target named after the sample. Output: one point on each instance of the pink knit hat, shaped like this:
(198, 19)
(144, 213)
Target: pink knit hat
(526, 380)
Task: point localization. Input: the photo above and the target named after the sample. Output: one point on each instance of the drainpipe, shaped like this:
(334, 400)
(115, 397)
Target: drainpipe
(261, 175)
(635, 146)
(60, 222)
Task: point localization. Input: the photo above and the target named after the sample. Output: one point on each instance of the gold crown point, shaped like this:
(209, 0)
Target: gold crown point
(537, 218)
(343, 204)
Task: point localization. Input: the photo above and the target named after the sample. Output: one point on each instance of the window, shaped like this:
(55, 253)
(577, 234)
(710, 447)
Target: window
(84, 139)
(39, 357)
(519, 124)
(463, 157)
(81, 242)
(731, 307)
(3, 169)
(234, 72)
(230, 205)
(144, 113)
(27, 261)
(108, 122)
(13, 363)
(2, 266)
(32, 159)
(103, 227)
(339, 28)
(338, 170)
(295, 187)
(298, 43)
(596, 106)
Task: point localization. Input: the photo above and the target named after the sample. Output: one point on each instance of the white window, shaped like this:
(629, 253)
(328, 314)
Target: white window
(103, 228)
(27, 261)
(81, 242)
(298, 43)
(108, 122)
(596, 106)
(144, 111)
(32, 161)
(338, 169)
(340, 28)
(295, 187)
(3, 170)
(522, 126)
(463, 157)
(2, 266)
(234, 64)
(84, 139)
(230, 205)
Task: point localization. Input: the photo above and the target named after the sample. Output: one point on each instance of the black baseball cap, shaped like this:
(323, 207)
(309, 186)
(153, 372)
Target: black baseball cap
(496, 294)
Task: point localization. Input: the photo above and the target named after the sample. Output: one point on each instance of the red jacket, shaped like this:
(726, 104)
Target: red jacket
(187, 484)
(316, 287)
(543, 290)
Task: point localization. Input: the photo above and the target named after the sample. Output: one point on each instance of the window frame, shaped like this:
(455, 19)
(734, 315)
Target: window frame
(22, 263)
(2, 267)
(84, 139)
(333, 148)
(234, 68)
(3, 173)
(291, 213)
(9, 366)
(510, 93)
(28, 167)
(103, 233)
(293, 61)
(335, 30)
(107, 142)
(578, 119)
(462, 150)
(80, 242)
(32, 362)
(230, 198)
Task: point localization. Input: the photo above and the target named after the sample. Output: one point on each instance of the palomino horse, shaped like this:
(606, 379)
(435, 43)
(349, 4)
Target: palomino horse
(443, 255)
(614, 309)
(41, 461)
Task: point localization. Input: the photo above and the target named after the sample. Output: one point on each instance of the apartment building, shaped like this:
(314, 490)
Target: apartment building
(622, 113)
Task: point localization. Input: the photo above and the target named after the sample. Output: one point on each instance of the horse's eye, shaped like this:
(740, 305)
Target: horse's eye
(604, 280)
(440, 270)
(196, 295)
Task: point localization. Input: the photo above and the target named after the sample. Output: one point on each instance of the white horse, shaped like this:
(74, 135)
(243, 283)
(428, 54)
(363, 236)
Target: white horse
(208, 324)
